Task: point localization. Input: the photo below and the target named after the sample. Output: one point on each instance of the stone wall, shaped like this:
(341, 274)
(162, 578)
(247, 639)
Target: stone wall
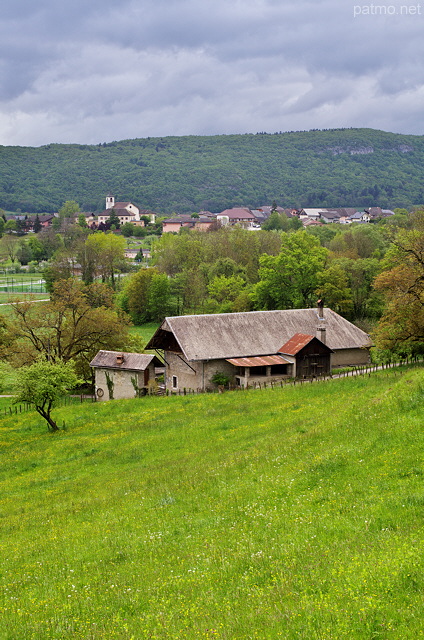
(180, 374)
(196, 376)
(121, 382)
(346, 357)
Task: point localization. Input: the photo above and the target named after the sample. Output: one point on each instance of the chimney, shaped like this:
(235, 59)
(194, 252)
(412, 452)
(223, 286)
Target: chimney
(322, 334)
(120, 358)
(321, 330)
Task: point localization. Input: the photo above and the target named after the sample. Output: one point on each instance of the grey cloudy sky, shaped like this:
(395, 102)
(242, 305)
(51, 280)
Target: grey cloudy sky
(91, 71)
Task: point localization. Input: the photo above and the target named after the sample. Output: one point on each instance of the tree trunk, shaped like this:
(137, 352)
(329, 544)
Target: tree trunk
(47, 417)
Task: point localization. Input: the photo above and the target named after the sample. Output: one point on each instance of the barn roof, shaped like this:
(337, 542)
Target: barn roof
(296, 344)
(254, 333)
(130, 361)
(257, 361)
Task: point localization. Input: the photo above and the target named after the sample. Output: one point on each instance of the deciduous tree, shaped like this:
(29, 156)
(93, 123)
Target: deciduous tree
(9, 245)
(146, 296)
(289, 280)
(402, 282)
(333, 288)
(68, 209)
(43, 383)
(66, 328)
(104, 254)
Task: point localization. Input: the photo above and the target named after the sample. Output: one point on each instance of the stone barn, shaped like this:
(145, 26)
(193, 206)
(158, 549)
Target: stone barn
(256, 346)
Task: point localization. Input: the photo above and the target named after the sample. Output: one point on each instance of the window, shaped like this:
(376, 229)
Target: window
(174, 382)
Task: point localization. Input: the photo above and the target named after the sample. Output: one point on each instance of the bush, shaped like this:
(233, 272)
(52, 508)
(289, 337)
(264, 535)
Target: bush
(220, 379)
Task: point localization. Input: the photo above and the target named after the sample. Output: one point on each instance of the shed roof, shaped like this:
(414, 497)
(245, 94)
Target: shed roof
(297, 343)
(258, 361)
(131, 361)
(253, 333)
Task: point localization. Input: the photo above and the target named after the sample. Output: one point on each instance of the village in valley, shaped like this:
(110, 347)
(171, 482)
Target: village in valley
(299, 304)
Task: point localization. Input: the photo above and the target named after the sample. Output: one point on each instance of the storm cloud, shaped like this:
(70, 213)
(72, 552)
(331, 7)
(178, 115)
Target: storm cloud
(106, 70)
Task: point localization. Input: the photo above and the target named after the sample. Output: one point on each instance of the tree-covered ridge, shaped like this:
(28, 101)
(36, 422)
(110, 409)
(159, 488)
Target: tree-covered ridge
(334, 168)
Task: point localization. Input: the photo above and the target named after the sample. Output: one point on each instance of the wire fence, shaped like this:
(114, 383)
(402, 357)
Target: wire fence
(21, 285)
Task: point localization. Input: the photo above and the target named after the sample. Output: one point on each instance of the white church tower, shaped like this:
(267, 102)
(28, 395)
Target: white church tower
(110, 201)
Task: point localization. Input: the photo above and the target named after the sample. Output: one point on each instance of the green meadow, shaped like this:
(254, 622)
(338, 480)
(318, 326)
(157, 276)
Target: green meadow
(292, 513)
(145, 331)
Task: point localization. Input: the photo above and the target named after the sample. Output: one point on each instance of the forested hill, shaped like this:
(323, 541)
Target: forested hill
(334, 168)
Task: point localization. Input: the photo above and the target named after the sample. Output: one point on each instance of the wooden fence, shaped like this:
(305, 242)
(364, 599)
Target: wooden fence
(270, 384)
(361, 370)
(16, 409)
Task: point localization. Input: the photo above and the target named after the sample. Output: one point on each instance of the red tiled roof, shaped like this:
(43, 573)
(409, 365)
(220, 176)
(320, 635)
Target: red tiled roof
(295, 344)
(257, 361)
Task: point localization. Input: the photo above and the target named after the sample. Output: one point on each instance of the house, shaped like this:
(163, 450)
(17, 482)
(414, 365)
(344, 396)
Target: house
(131, 254)
(173, 225)
(374, 213)
(360, 216)
(148, 214)
(238, 215)
(310, 214)
(262, 213)
(123, 375)
(194, 348)
(45, 220)
(342, 215)
(330, 215)
(88, 215)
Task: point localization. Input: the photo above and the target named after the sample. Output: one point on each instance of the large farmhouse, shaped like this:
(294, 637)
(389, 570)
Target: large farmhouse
(256, 346)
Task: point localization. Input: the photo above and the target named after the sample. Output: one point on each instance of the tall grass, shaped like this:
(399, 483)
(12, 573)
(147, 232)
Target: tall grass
(288, 513)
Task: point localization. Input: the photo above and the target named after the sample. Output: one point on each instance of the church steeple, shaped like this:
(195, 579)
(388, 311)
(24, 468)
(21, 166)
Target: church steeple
(110, 201)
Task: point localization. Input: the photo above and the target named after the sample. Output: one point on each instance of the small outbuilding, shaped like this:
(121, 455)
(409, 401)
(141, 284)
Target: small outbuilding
(123, 375)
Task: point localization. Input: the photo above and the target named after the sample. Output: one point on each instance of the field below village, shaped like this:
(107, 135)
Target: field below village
(292, 513)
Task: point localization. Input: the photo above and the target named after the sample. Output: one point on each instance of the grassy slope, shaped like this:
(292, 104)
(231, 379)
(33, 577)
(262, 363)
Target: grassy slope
(145, 331)
(293, 513)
